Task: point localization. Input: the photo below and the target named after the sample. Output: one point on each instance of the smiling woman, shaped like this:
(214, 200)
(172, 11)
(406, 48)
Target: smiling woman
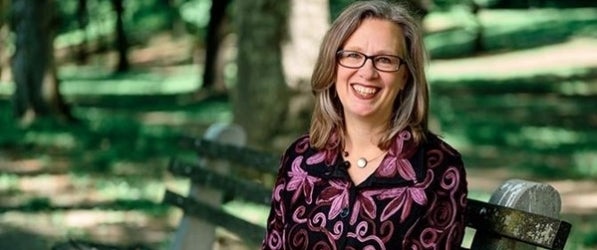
(408, 189)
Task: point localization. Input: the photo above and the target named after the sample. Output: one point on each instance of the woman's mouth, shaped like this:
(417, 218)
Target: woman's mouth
(364, 91)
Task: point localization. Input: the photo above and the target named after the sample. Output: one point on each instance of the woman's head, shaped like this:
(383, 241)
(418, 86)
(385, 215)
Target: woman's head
(408, 104)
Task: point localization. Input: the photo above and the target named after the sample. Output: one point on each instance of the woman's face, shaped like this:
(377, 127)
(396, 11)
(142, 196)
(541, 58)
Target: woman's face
(367, 93)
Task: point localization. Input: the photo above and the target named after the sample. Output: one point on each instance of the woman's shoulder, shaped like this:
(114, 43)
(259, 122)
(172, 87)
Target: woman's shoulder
(300, 144)
(436, 142)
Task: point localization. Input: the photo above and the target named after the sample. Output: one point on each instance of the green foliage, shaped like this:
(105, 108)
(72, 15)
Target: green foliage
(532, 28)
(530, 122)
(590, 239)
(336, 6)
(100, 13)
(195, 14)
(444, 5)
(142, 18)
(37, 204)
(465, 34)
(540, 4)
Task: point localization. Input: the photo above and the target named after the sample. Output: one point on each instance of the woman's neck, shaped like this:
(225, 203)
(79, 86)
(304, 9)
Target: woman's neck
(361, 135)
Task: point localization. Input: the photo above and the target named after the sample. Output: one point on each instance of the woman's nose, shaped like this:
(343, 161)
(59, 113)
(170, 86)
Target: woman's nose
(368, 71)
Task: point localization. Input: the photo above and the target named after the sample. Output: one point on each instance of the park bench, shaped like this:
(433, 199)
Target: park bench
(519, 215)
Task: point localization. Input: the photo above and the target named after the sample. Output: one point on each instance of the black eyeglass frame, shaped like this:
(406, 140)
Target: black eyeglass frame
(373, 57)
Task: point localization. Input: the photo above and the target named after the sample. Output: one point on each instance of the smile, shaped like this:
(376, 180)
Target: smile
(364, 91)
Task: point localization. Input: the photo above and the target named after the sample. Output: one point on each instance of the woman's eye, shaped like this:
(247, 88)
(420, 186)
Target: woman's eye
(353, 55)
(384, 59)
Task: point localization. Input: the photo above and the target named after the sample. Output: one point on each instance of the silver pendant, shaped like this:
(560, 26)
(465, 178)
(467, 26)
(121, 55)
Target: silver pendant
(361, 162)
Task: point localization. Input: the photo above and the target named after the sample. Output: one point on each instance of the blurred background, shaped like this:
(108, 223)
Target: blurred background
(95, 96)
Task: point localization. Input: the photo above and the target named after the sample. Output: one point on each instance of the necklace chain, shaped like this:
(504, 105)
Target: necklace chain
(362, 161)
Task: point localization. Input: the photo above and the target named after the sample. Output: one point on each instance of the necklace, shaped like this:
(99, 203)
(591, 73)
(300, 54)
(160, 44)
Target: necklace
(362, 161)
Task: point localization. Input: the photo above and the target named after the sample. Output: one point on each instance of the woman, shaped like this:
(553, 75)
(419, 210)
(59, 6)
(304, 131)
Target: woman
(369, 175)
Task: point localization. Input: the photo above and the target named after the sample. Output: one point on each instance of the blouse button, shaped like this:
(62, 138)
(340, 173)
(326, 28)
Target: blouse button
(344, 212)
(346, 164)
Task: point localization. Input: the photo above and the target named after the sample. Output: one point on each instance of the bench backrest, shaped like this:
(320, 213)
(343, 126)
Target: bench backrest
(515, 217)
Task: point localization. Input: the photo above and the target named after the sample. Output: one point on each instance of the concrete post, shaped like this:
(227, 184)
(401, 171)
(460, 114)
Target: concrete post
(538, 198)
(192, 233)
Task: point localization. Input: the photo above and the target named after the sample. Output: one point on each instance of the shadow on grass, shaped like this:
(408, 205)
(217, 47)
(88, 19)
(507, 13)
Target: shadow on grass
(20, 238)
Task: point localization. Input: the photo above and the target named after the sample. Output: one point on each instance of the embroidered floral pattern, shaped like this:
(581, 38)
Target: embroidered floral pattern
(300, 180)
(414, 200)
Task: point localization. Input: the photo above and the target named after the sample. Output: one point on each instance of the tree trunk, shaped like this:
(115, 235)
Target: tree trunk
(175, 22)
(121, 41)
(3, 34)
(213, 40)
(82, 21)
(307, 24)
(260, 99)
(34, 73)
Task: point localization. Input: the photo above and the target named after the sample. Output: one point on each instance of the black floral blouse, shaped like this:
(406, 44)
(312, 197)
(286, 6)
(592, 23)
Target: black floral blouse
(415, 200)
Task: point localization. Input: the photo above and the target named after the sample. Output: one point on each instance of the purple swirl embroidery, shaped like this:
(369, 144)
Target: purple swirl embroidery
(429, 237)
(298, 215)
(443, 213)
(302, 145)
(338, 230)
(274, 241)
(300, 239)
(434, 158)
(450, 179)
(318, 221)
(362, 234)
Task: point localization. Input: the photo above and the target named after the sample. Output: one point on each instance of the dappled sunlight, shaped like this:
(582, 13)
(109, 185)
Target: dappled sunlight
(101, 226)
(556, 59)
(580, 203)
(164, 50)
(45, 184)
(84, 219)
(164, 118)
(578, 197)
(32, 165)
(176, 80)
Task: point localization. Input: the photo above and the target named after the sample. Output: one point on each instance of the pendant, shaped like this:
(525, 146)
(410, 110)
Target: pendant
(362, 162)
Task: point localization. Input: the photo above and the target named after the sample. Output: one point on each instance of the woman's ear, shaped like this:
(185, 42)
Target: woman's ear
(405, 77)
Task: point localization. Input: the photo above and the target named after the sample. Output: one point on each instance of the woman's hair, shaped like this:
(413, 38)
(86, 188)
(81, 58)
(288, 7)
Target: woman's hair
(410, 106)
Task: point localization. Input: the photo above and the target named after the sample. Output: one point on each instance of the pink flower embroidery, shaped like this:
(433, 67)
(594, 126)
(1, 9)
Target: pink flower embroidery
(300, 181)
(337, 195)
(402, 198)
(365, 203)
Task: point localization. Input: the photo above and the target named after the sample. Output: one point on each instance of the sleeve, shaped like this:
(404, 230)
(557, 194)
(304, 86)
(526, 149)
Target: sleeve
(442, 225)
(274, 235)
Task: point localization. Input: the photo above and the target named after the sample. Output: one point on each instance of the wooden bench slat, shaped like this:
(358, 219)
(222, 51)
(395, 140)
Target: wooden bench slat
(261, 161)
(531, 228)
(242, 189)
(248, 231)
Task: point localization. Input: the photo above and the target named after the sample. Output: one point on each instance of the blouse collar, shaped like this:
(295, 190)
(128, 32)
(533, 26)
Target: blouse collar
(403, 165)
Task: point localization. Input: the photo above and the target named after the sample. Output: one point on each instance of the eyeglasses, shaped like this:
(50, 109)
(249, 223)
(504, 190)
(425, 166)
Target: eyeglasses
(354, 60)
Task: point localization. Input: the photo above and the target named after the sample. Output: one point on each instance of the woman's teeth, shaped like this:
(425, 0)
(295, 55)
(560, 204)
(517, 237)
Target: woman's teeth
(364, 90)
